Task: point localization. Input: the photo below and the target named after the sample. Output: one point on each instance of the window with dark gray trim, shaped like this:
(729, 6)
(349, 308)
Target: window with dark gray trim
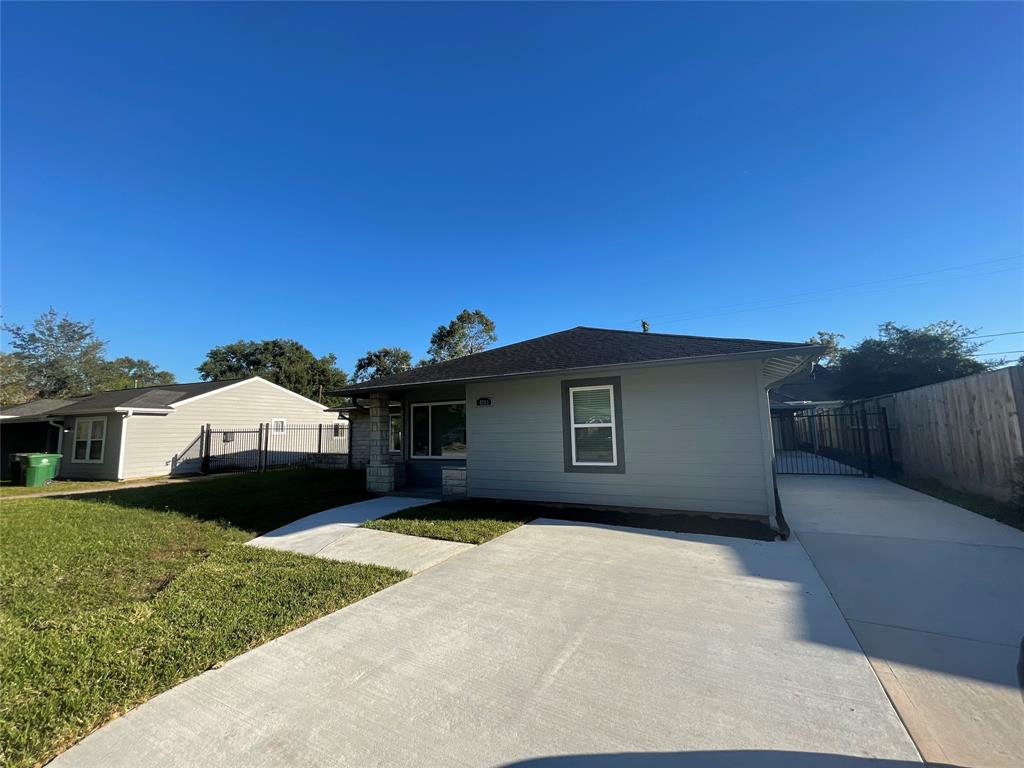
(592, 425)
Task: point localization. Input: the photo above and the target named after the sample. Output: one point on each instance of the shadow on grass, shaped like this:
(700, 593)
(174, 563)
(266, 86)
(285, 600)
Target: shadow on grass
(256, 502)
(522, 512)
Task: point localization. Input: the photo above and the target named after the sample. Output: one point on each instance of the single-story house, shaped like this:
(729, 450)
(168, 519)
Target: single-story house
(586, 416)
(149, 431)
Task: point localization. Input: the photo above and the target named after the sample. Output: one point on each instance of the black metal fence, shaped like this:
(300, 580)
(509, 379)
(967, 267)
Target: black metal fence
(832, 443)
(264, 447)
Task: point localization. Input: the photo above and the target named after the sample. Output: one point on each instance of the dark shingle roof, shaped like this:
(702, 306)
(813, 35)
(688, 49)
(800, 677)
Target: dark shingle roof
(579, 347)
(37, 409)
(818, 385)
(161, 396)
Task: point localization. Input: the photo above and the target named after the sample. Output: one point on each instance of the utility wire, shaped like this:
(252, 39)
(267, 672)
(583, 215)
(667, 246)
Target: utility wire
(818, 292)
(853, 293)
(990, 335)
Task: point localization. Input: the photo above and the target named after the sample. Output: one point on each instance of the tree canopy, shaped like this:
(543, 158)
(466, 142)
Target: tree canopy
(382, 362)
(903, 358)
(831, 341)
(469, 333)
(285, 362)
(59, 357)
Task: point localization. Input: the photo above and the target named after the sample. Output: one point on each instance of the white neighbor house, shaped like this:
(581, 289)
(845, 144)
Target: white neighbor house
(144, 432)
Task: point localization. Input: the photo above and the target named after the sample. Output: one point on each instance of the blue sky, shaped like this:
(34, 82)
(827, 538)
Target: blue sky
(351, 176)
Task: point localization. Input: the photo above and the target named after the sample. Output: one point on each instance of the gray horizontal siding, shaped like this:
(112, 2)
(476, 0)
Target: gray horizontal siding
(107, 470)
(693, 441)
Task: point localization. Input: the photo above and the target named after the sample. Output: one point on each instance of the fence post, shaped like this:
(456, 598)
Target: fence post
(265, 447)
(259, 448)
(888, 440)
(205, 432)
(320, 438)
(866, 443)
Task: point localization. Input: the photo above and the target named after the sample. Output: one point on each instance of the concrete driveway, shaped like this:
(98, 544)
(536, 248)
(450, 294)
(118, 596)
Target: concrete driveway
(558, 644)
(935, 595)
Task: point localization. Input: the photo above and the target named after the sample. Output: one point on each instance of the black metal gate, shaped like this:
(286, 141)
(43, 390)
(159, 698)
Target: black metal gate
(267, 446)
(832, 443)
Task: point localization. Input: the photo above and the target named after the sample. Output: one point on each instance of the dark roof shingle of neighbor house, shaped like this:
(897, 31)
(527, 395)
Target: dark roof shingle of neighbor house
(579, 347)
(160, 396)
(36, 408)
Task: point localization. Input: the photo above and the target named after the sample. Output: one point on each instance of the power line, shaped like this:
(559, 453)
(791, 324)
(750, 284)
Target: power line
(993, 354)
(755, 304)
(852, 293)
(990, 335)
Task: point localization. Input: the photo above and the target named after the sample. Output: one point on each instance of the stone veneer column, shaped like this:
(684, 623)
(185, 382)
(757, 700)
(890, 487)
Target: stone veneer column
(380, 473)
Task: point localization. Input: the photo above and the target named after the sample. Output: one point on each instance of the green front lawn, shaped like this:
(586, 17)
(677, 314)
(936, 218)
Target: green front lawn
(471, 522)
(112, 598)
(8, 490)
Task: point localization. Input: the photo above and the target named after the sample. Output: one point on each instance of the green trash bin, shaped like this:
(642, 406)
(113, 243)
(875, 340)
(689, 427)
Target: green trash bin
(39, 468)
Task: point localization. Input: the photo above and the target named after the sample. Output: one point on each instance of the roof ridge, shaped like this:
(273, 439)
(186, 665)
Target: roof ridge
(167, 386)
(688, 335)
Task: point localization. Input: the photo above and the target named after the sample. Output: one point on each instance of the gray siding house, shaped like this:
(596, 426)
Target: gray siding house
(586, 416)
(145, 432)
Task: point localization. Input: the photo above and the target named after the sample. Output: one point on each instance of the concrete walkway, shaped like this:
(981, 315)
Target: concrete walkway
(558, 644)
(935, 596)
(335, 534)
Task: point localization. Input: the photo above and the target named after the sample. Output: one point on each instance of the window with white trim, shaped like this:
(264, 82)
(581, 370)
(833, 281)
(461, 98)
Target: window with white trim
(438, 430)
(338, 432)
(395, 437)
(593, 426)
(278, 426)
(90, 438)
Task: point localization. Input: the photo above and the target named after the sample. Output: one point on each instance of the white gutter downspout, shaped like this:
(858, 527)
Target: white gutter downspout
(124, 439)
(60, 439)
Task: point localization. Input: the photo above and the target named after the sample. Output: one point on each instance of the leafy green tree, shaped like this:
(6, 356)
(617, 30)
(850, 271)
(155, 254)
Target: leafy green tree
(14, 387)
(467, 334)
(59, 356)
(129, 372)
(903, 358)
(831, 341)
(285, 362)
(382, 362)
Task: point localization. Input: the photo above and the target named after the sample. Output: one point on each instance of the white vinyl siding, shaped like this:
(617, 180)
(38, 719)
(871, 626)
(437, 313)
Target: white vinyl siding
(592, 430)
(90, 438)
(692, 436)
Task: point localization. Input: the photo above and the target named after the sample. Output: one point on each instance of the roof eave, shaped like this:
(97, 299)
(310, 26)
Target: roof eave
(804, 352)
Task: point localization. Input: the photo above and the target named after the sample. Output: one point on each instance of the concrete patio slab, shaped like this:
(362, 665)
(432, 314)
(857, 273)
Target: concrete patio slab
(308, 535)
(933, 593)
(393, 550)
(558, 643)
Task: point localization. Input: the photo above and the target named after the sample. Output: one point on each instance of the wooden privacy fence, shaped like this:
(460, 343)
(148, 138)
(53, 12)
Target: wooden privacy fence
(967, 433)
(261, 447)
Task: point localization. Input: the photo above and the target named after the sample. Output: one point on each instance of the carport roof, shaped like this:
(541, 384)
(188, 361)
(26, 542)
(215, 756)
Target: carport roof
(578, 348)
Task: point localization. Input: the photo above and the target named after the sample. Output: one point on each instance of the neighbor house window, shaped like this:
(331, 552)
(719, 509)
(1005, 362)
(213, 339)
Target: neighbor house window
(277, 426)
(395, 438)
(338, 432)
(592, 425)
(439, 430)
(90, 435)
